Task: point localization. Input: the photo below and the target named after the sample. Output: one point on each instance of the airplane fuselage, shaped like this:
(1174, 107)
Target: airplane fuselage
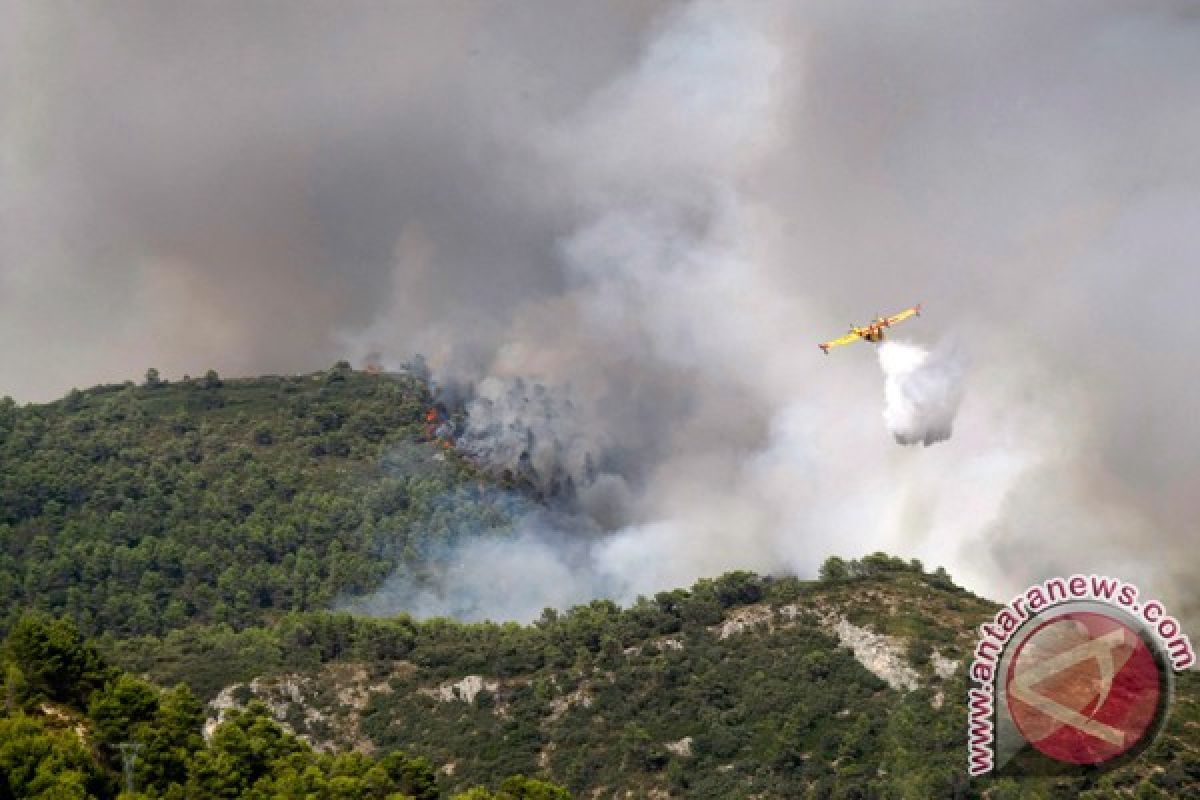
(872, 332)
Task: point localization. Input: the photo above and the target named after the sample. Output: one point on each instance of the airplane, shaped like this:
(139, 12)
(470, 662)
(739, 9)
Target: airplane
(873, 331)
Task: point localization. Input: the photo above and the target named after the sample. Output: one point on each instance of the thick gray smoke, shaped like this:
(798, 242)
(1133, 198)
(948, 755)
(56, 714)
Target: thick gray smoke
(922, 391)
(539, 433)
(682, 331)
(654, 211)
(526, 429)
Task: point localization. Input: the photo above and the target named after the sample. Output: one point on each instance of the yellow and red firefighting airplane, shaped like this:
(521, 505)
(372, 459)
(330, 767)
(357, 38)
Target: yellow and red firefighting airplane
(873, 331)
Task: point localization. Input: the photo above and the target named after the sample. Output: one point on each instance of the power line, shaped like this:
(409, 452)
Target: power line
(129, 754)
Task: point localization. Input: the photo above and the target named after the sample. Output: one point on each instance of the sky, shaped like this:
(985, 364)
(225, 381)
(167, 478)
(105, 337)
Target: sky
(657, 210)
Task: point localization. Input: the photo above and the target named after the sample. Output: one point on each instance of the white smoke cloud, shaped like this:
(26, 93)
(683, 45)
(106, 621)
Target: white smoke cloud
(922, 391)
(508, 576)
(699, 271)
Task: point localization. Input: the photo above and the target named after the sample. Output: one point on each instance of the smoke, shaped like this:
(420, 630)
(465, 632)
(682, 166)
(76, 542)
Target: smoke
(664, 382)
(510, 577)
(526, 429)
(653, 212)
(922, 391)
(532, 560)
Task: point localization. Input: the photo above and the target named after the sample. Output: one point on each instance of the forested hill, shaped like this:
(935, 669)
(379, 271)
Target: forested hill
(850, 686)
(196, 534)
(70, 723)
(138, 509)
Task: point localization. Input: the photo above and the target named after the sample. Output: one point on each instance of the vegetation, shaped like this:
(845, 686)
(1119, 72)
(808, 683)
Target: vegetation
(736, 687)
(137, 510)
(66, 714)
(194, 535)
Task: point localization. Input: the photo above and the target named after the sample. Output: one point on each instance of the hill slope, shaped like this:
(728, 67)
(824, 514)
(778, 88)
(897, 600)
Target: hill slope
(70, 723)
(740, 687)
(139, 509)
(201, 530)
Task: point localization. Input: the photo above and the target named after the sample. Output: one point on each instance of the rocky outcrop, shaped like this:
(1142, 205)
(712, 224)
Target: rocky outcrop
(291, 700)
(681, 748)
(883, 656)
(742, 619)
(943, 667)
(465, 690)
(563, 703)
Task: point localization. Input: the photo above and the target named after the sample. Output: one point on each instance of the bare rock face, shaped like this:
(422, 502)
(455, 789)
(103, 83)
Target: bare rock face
(219, 706)
(882, 655)
(743, 619)
(943, 667)
(682, 748)
(563, 703)
(290, 699)
(278, 694)
(466, 689)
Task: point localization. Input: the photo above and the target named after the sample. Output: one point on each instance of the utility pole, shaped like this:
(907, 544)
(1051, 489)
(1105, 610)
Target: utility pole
(129, 754)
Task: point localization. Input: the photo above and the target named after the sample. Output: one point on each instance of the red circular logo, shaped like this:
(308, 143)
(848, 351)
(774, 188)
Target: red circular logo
(1083, 688)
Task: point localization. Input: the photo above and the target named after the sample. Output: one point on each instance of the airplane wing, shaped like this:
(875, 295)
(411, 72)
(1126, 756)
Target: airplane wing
(847, 339)
(915, 311)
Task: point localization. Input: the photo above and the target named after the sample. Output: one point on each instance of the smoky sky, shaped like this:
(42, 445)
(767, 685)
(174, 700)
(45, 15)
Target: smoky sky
(225, 185)
(664, 207)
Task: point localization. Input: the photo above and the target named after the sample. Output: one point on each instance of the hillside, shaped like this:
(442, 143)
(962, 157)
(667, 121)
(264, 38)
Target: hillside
(141, 509)
(743, 686)
(71, 724)
(198, 533)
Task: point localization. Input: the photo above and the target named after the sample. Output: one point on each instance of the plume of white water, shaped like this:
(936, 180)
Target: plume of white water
(922, 391)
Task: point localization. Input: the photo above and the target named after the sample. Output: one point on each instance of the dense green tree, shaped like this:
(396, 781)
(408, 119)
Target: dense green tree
(44, 763)
(117, 710)
(170, 739)
(241, 752)
(413, 777)
(517, 787)
(834, 569)
(48, 659)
